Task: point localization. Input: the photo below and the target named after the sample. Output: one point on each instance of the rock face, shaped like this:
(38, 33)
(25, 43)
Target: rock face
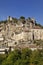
(13, 33)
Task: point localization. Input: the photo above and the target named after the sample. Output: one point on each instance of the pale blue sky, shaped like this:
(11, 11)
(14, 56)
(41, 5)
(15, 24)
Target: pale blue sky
(26, 8)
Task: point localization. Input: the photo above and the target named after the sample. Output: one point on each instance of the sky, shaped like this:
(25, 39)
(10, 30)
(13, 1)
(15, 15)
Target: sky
(26, 8)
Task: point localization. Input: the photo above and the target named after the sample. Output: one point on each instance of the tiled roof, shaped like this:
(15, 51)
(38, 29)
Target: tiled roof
(37, 27)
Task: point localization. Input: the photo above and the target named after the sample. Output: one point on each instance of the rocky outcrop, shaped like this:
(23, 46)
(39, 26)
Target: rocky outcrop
(12, 34)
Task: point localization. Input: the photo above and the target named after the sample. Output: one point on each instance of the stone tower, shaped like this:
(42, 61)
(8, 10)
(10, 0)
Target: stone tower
(9, 18)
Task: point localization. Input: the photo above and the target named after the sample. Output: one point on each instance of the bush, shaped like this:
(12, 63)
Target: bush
(23, 57)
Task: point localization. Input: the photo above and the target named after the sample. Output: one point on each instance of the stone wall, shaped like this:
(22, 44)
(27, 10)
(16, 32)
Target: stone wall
(38, 34)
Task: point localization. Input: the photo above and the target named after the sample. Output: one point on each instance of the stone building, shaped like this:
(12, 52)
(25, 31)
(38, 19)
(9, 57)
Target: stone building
(12, 34)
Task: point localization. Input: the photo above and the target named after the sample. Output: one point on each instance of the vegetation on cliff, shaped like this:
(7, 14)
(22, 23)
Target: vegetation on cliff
(23, 19)
(22, 57)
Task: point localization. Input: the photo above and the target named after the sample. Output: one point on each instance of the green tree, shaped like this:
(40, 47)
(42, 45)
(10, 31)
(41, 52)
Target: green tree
(2, 57)
(15, 20)
(23, 57)
(26, 53)
(22, 17)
